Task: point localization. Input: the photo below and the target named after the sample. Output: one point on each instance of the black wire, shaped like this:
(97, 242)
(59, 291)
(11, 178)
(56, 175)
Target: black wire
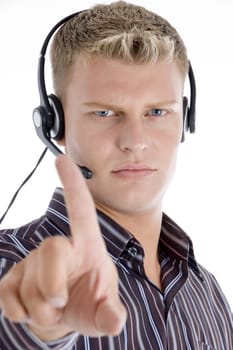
(22, 184)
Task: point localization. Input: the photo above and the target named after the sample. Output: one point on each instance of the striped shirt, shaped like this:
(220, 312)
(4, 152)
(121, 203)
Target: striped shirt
(190, 313)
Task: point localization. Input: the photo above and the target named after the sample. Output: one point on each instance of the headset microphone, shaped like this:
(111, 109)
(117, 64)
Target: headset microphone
(42, 132)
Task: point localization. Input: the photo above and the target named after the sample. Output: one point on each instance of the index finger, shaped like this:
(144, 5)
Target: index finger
(79, 202)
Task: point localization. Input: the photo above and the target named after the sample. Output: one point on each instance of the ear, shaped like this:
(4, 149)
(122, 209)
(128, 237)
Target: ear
(58, 128)
(61, 142)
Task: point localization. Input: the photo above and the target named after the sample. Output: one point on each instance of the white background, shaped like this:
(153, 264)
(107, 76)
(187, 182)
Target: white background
(200, 198)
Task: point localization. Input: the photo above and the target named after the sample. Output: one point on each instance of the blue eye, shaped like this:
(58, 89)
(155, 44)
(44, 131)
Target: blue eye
(104, 113)
(158, 112)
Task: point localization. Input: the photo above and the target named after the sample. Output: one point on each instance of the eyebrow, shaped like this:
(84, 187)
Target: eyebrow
(100, 105)
(171, 103)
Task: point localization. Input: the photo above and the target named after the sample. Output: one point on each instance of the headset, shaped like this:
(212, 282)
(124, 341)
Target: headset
(48, 117)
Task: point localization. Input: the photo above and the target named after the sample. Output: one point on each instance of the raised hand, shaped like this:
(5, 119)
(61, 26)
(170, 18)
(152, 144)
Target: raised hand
(66, 284)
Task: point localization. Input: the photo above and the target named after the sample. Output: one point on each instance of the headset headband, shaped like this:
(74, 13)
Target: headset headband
(44, 100)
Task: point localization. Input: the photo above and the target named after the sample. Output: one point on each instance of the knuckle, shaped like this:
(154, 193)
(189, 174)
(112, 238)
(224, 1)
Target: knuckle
(15, 315)
(44, 315)
(11, 306)
(53, 244)
(27, 292)
(38, 310)
(3, 289)
(7, 285)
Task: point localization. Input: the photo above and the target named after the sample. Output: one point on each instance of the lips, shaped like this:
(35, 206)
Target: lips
(134, 169)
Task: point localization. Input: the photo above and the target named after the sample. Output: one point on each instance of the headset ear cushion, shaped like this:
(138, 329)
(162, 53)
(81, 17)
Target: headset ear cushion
(185, 118)
(58, 129)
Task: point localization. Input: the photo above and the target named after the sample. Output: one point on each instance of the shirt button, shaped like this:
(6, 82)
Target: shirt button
(132, 251)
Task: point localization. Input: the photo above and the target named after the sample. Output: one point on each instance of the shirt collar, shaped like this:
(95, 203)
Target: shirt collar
(177, 243)
(173, 239)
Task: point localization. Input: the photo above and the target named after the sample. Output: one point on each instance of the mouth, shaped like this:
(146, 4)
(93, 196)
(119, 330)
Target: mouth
(134, 170)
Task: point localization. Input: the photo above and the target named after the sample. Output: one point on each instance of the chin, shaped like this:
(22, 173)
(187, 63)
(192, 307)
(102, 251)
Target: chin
(131, 198)
(134, 206)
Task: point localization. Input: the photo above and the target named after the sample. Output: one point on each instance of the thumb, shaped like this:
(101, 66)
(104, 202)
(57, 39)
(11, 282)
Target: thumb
(110, 317)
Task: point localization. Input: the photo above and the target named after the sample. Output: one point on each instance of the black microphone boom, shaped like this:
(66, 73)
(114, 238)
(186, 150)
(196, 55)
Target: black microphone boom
(42, 132)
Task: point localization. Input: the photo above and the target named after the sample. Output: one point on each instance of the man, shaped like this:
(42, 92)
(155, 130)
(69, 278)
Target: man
(105, 268)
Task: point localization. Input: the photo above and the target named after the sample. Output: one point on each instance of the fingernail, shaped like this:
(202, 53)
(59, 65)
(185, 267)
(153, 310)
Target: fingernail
(57, 302)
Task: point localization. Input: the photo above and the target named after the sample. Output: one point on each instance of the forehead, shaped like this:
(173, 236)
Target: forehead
(103, 77)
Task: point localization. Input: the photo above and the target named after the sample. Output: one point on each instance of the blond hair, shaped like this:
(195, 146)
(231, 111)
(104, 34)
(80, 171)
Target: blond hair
(120, 31)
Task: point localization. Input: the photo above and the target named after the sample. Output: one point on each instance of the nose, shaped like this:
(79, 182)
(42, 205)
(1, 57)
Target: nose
(132, 136)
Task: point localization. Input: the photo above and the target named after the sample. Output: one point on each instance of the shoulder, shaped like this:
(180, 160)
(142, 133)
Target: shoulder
(210, 282)
(211, 293)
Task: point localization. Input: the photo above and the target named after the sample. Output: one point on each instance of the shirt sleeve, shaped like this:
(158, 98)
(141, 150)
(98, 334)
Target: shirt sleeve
(16, 336)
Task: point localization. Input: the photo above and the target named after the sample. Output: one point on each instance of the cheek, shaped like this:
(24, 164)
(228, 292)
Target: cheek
(75, 141)
(168, 138)
(169, 143)
(85, 146)
(173, 138)
(168, 131)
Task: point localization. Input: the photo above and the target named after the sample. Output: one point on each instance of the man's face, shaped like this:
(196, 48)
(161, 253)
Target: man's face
(124, 122)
